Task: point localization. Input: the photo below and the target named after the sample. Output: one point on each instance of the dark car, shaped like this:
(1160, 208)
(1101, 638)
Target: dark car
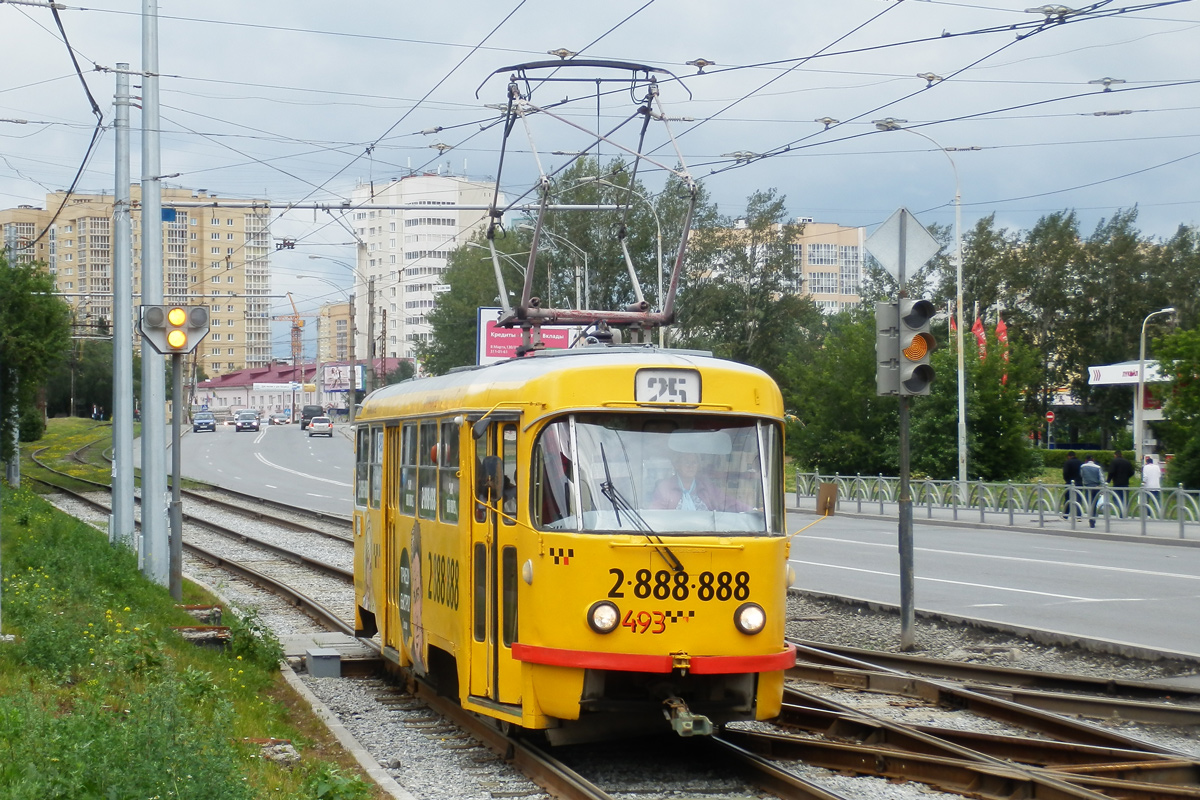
(204, 421)
(320, 426)
(307, 413)
(279, 418)
(246, 421)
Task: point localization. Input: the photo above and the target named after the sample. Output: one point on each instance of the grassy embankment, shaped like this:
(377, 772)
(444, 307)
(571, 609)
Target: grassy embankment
(100, 698)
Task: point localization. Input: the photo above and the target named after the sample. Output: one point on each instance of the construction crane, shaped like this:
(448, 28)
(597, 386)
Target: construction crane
(297, 320)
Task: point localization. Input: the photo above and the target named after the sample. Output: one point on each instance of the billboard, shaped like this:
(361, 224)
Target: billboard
(498, 344)
(337, 377)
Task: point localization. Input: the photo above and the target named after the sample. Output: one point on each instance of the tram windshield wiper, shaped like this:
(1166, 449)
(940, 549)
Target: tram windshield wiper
(620, 503)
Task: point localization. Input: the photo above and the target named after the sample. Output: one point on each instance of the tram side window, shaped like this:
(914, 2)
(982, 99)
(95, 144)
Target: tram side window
(408, 469)
(508, 440)
(448, 472)
(362, 452)
(376, 466)
(427, 477)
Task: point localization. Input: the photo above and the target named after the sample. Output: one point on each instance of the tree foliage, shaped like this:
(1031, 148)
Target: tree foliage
(34, 335)
(741, 297)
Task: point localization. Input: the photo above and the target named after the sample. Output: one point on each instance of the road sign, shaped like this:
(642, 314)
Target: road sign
(1049, 416)
(919, 244)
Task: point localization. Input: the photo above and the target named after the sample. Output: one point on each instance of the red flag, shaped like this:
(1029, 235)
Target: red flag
(953, 323)
(980, 336)
(1002, 337)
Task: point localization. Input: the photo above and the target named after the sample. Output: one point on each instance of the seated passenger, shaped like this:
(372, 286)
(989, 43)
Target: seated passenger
(686, 490)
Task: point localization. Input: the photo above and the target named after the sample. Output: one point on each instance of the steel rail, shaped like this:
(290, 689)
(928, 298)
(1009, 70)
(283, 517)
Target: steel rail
(823, 652)
(841, 670)
(299, 599)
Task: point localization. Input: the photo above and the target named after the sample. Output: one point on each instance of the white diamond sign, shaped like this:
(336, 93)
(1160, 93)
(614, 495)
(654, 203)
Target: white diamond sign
(885, 244)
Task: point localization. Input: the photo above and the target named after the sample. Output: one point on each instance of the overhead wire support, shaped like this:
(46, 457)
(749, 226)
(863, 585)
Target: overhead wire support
(529, 314)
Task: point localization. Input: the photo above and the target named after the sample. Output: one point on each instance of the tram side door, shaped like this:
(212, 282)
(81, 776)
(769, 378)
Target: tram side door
(391, 550)
(493, 623)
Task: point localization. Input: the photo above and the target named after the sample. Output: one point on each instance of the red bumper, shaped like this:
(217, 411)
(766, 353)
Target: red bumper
(633, 662)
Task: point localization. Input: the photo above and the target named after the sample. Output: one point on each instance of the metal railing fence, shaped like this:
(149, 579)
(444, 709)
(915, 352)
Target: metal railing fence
(1154, 511)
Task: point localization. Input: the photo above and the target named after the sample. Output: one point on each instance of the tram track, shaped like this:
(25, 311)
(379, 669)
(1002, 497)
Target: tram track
(836, 736)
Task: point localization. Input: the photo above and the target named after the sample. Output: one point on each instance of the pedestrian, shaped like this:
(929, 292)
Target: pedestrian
(1152, 479)
(1071, 479)
(1092, 476)
(1119, 473)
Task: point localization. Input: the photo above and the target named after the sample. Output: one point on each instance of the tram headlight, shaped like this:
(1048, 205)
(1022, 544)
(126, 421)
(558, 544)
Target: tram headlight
(749, 618)
(603, 616)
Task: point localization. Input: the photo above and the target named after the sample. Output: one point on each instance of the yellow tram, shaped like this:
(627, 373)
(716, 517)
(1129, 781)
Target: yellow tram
(583, 541)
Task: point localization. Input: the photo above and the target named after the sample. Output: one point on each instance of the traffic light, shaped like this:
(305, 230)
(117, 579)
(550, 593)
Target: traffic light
(174, 329)
(887, 349)
(916, 346)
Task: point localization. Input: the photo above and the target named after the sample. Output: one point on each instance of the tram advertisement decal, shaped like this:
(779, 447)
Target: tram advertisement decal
(411, 585)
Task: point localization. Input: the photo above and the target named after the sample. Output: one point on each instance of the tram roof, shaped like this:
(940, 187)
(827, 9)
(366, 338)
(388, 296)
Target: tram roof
(483, 386)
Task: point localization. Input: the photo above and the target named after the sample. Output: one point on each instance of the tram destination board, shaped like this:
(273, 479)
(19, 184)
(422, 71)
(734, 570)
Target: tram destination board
(667, 386)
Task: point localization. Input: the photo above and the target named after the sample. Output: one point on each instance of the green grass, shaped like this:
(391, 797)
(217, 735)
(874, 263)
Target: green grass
(101, 698)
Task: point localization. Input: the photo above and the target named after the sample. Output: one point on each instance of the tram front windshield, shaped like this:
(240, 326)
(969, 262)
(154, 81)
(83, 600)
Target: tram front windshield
(637, 472)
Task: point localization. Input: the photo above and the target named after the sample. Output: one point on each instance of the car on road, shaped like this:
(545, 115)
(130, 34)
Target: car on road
(279, 418)
(320, 426)
(204, 421)
(246, 421)
(308, 413)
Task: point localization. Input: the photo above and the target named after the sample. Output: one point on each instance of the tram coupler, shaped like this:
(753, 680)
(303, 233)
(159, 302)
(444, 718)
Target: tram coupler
(683, 721)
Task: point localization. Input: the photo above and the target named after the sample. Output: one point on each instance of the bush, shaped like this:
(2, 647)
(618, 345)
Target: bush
(32, 425)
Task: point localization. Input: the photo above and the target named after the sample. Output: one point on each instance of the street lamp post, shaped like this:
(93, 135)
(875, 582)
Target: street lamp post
(1139, 403)
(586, 282)
(352, 392)
(893, 125)
(658, 238)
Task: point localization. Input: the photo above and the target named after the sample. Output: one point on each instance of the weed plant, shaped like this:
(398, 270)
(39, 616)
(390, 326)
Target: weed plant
(101, 698)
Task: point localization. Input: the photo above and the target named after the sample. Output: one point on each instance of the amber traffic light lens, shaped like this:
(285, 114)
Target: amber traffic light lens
(917, 350)
(177, 316)
(176, 339)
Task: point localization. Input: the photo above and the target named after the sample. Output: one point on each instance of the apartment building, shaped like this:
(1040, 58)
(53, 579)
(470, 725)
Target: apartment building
(334, 329)
(405, 251)
(214, 257)
(831, 261)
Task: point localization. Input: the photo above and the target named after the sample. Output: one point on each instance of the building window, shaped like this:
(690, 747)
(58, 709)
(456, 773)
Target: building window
(823, 282)
(823, 255)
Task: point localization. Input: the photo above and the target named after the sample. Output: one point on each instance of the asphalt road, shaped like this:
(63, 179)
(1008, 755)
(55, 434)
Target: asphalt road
(1138, 593)
(280, 462)
(1143, 594)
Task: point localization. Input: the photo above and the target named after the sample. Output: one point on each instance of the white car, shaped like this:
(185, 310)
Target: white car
(320, 426)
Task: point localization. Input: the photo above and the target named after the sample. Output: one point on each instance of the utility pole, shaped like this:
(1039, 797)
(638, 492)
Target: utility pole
(352, 394)
(121, 527)
(369, 373)
(155, 555)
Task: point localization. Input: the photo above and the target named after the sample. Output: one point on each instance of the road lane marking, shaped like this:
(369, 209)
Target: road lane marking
(1019, 559)
(953, 583)
(260, 457)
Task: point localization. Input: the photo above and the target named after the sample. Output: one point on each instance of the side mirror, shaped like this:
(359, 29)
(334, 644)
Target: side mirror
(480, 428)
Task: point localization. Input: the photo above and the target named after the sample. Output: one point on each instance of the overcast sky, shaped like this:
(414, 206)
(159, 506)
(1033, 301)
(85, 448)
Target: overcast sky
(283, 100)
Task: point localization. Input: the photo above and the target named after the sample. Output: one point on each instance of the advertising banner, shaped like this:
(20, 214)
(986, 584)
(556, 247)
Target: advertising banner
(499, 344)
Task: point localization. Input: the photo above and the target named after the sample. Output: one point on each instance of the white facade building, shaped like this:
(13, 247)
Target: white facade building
(405, 251)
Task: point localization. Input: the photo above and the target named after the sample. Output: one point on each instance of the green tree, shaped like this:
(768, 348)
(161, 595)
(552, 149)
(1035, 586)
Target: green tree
(34, 335)
(472, 281)
(742, 297)
(841, 425)
(1179, 357)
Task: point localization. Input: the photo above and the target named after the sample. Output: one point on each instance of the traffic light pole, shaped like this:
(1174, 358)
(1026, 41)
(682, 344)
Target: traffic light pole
(176, 567)
(905, 535)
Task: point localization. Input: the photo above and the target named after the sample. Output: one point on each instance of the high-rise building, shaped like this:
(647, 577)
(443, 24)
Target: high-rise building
(830, 257)
(405, 251)
(334, 328)
(213, 257)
